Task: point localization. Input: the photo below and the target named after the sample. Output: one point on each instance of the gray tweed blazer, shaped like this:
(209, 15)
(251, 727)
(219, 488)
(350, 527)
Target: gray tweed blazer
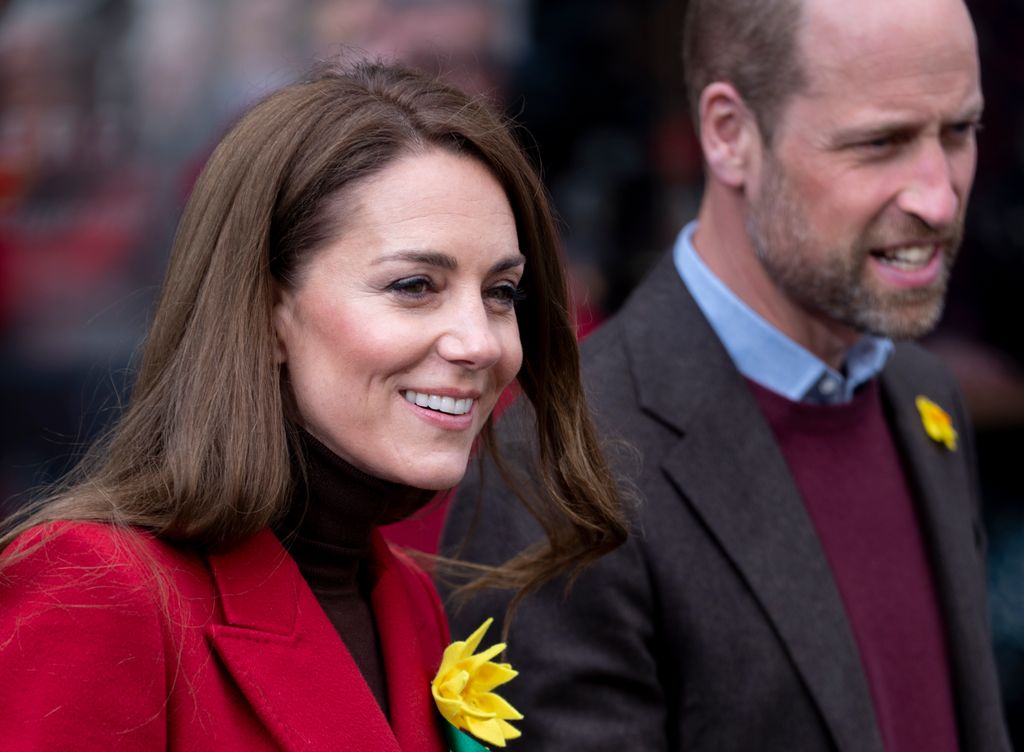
(718, 626)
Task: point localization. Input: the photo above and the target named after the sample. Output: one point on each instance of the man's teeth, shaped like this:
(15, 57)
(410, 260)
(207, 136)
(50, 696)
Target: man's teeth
(911, 257)
(448, 405)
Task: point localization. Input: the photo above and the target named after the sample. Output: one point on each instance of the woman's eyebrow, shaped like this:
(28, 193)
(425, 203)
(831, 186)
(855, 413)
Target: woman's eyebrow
(446, 261)
(431, 258)
(509, 262)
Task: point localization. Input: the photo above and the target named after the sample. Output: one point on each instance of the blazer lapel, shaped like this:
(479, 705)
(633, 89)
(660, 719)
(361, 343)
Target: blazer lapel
(286, 657)
(729, 468)
(942, 484)
(413, 713)
(936, 474)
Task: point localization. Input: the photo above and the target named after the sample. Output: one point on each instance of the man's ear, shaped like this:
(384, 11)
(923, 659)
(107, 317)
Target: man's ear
(729, 134)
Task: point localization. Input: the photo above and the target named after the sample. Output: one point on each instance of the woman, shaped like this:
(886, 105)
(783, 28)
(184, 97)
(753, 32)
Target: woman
(341, 312)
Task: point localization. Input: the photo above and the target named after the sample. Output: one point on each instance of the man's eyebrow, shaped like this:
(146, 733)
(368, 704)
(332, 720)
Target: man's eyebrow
(897, 126)
(446, 261)
(861, 133)
(973, 112)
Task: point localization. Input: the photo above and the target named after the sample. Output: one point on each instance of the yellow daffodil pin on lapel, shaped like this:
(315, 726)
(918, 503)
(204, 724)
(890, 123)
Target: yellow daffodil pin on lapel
(937, 423)
(462, 691)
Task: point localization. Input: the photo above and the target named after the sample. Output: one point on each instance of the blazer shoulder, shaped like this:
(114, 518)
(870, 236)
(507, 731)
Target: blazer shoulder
(84, 552)
(82, 636)
(91, 571)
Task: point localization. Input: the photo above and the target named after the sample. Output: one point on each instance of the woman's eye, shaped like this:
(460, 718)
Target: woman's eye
(411, 286)
(506, 294)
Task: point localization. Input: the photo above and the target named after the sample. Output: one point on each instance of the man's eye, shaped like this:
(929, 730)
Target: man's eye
(883, 143)
(411, 286)
(965, 129)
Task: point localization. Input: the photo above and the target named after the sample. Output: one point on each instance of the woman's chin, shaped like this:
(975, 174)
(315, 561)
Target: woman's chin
(437, 481)
(431, 475)
(436, 469)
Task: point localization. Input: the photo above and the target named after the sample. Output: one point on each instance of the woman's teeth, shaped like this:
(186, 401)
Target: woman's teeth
(448, 405)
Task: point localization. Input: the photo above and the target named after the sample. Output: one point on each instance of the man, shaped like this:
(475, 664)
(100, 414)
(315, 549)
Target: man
(805, 571)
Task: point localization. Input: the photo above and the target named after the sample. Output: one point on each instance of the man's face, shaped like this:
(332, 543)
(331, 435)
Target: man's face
(858, 210)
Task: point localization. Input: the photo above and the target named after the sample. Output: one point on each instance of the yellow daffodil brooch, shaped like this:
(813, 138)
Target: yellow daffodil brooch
(937, 423)
(462, 691)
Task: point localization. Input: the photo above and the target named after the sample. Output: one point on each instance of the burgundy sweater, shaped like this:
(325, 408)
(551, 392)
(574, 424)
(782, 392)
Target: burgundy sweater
(848, 470)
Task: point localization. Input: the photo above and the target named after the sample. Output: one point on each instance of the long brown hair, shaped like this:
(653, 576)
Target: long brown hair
(202, 454)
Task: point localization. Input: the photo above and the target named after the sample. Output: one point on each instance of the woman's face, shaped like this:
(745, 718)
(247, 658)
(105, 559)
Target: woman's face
(401, 333)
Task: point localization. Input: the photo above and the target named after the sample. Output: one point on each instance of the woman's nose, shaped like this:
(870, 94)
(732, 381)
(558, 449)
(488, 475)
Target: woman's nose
(470, 338)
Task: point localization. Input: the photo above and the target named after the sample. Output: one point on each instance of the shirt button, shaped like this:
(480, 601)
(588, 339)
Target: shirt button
(828, 386)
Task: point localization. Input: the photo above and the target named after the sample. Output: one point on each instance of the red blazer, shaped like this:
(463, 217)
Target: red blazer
(241, 658)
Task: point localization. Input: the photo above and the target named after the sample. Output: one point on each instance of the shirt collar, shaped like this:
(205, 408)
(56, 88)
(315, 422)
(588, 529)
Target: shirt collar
(764, 354)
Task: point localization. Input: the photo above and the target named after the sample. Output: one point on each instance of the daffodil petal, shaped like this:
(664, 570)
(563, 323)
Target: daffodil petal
(471, 710)
(938, 424)
(503, 708)
(497, 705)
(508, 730)
(462, 690)
(453, 705)
(453, 654)
(450, 711)
(473, 641)
(485, 656)
(489, 731)
(493, 675)
(455, 682)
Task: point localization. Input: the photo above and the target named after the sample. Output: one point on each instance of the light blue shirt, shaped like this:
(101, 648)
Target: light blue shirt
(764, 354)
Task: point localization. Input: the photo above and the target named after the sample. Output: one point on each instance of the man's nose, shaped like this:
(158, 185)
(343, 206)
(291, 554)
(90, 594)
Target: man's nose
(931, 193)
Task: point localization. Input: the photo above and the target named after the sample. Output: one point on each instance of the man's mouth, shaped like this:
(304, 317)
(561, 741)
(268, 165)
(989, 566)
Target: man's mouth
(443, 404)
(908, 257)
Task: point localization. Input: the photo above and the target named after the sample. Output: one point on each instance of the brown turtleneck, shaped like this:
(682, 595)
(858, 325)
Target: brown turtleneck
(327, 531)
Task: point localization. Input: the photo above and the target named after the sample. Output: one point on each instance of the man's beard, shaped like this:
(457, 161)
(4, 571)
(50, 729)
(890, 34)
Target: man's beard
(837, 283)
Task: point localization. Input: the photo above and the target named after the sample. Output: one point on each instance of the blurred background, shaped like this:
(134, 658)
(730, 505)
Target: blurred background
(108, 109)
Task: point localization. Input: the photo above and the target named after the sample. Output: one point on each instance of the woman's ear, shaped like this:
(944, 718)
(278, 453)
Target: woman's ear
(281, 318)
(729, 135)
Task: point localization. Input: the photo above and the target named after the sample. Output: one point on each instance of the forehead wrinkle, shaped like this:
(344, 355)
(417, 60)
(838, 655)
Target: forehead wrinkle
(902, 97)
(866, 75)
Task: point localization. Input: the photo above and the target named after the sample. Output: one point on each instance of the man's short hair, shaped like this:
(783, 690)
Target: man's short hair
(751, 44)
